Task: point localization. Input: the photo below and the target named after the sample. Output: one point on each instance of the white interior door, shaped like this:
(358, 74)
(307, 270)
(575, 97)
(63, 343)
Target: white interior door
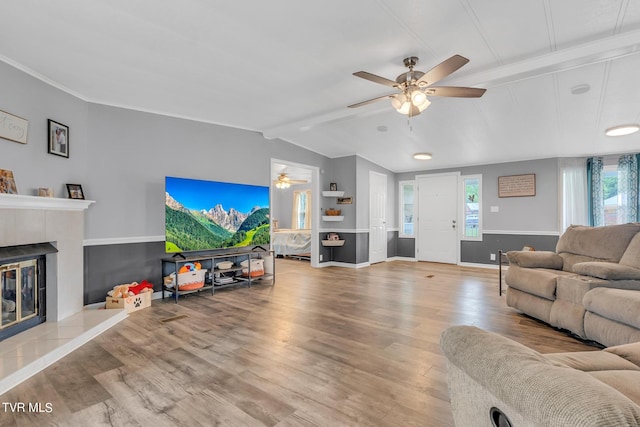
(437, 218)
(377, 217)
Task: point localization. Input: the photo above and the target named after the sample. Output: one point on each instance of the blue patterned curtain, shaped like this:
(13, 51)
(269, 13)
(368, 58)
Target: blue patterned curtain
(595, 189)
(628, 189)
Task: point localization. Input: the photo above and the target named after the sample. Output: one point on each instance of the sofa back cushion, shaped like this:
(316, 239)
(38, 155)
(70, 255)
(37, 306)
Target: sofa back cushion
(606, 243)
(631, 256)
(571, 259)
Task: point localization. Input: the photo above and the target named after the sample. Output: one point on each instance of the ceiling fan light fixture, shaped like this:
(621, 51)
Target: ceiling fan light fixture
(282, 185)
(622, 130)
(405, 108)
(418, 98)
(422, 156)
(415, 86)
(398, 101)
(424, 105)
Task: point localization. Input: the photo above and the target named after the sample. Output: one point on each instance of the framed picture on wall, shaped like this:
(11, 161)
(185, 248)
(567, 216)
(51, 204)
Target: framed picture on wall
(7, 182)
(75, 191)
(58, 139)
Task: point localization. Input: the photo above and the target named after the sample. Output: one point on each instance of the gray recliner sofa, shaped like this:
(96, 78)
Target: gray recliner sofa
(494, 381)
(562, 288)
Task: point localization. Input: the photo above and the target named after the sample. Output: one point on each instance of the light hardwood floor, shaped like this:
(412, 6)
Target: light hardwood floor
(323, 347)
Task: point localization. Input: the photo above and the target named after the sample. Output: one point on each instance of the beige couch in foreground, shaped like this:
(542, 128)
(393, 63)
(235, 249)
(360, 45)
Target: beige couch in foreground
(490, 376)
(589, 286)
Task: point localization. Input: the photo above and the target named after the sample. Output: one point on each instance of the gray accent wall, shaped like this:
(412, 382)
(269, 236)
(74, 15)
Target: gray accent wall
(518, 218)
(406, 247)
(110, 265)
(344, 175)
(133, 151)
(479, 252)
(538, 213)
(33, 167)
(354, 251)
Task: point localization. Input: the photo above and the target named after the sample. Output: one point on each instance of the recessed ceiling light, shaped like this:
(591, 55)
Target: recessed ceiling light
(422, 156)
(622, 130)
(579, 89)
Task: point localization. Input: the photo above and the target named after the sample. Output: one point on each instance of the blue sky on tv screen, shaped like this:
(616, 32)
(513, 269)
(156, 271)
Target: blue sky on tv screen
(197, 194)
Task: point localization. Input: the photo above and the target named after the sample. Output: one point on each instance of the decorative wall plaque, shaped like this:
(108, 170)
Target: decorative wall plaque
(13, 128)
(517, 185)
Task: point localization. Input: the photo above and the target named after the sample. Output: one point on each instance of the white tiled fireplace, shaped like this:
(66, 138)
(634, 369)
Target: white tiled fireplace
(28, 220)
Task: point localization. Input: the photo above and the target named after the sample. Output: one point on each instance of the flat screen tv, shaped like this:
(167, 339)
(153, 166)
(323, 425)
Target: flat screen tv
(208, 215)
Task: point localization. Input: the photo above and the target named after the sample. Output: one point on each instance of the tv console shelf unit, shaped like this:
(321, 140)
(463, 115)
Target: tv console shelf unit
(217, 278)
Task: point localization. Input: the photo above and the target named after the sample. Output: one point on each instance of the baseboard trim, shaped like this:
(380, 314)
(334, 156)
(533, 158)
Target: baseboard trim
(343, 264)
(122, 240)
(522, 233)
(402, 258)
(479, 265)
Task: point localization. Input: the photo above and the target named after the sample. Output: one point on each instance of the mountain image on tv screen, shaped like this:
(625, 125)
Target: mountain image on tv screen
(205, 215)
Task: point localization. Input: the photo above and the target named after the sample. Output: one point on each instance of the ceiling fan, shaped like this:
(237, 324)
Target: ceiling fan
(284, 181)
(415, 86)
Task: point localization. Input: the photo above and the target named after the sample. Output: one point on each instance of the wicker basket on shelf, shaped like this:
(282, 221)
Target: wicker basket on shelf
(333, 212)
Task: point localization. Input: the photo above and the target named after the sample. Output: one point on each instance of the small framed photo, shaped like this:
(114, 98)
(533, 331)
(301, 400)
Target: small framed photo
(345, 200)
(58, 139)
(333, 187)
(7, 182)
(75, 191)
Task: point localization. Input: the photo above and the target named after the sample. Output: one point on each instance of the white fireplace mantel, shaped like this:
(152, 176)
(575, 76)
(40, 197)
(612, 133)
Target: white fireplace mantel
(18, 201)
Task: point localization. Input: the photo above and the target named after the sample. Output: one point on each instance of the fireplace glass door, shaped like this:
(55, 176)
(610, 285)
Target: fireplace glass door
(19, 286)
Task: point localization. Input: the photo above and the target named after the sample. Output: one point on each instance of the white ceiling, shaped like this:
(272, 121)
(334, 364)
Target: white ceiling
(284, 68)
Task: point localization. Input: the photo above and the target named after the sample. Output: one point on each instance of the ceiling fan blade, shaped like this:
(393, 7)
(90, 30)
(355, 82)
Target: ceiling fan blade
(283, 178)
(455, 91)
(375, 79)
(442, 70)
(371, 101)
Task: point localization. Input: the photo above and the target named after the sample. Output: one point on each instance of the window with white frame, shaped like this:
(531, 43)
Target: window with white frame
(614, 189)
(407, 208)
(301, 212)
(472, 207)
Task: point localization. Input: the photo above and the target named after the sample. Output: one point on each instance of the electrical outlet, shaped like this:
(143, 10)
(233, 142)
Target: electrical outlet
(320, 257)
(492, 257)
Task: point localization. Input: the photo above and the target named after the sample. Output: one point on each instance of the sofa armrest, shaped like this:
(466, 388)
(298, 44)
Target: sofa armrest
(536, 259)
(487, 370)
(606, 270)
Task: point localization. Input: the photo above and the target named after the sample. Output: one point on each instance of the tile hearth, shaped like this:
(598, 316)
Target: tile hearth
(27, 353)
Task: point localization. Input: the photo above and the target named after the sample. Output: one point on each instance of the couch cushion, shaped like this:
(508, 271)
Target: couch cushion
(572, 259)
(591, 361)
(630, 352)
(536, 259)
(607, 270)
(607, 243)
(621, 305)
(626, 382)
(631, 256)
(537, 281)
